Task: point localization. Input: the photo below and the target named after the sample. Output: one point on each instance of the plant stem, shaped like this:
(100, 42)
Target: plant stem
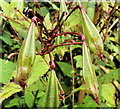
(61, 89)
(41, 11)
(13, 20)
(79, 34)
(73, 77)
(44, 27)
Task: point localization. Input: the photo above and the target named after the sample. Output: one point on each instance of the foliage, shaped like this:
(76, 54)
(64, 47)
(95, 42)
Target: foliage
(59, 54)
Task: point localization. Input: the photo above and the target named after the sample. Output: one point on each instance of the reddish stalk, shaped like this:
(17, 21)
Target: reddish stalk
(44, 28)
(40, 36)
(79, 34)
(73, 78)
(61, 89)
(11, 55)
(13, 20)
(23, 16)
(40, 10)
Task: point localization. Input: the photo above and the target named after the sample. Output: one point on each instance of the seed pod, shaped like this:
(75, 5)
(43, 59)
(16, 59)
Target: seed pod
(26, 56)
(92, 35)
(51, 98)
(89, 74)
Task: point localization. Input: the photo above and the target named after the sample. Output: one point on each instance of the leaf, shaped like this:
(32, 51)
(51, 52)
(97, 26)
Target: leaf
(38, 45)
(75, 19)
(40, 102)
(88, 102)
(61, 49)
(53, 5)
(26, 56)
(110, 77)
(6, 38)
(78, 58)
(8, 90)
(51, 98)
(108, 91)
(91, 9)
(66, 68)
(82, 87)
(63, 7)
(89, 73)
(104, 6)
(44, 10)
(18, 4)
(5, 7)
(38, 70)
(29, 99)
(36, 86)
(92, 35)
(6, 70)
(14, 102)
(47, 21)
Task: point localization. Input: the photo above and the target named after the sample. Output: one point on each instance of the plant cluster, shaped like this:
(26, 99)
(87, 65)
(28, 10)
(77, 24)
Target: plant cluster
(59, 54)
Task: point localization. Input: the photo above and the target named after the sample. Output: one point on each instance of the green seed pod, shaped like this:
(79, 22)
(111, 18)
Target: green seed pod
(51, 98)
(89, 73)
(26, 56)
(92, 35)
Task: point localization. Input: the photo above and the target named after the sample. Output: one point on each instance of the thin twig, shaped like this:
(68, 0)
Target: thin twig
(73, 77)
(13, 20)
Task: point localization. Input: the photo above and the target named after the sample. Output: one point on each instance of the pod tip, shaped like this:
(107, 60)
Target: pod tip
(101, 57)
(96, 100)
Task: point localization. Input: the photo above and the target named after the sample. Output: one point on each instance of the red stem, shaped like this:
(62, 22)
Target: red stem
(14, 20)
(79, 34)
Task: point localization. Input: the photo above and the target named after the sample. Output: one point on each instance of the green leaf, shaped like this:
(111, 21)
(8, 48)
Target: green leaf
(66, 68)
(108, 91)
(5, 7)
(6, 38)
(47, 21)
(44, 10)
(8, 90)
(14, 102)
(82, 87)
(29, 99)
(36, 86)
(38, 44)
(18, 4)
(51, 98)
(88, 102)
(63, 7)
(53, 5)
(78, 58)
(6, 70)
(61, 49)
(104, 5)
(75, 19)
(91, 9)
(38, 70)
(40, 102)
(110, 77)
(89, 73)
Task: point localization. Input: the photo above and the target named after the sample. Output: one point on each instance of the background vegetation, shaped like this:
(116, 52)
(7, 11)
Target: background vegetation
(62, 54)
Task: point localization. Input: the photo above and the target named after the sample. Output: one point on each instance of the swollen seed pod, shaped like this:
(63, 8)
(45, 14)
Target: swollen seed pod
(92, 35)
(26, 56)
(89, 73)
(51, 98)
